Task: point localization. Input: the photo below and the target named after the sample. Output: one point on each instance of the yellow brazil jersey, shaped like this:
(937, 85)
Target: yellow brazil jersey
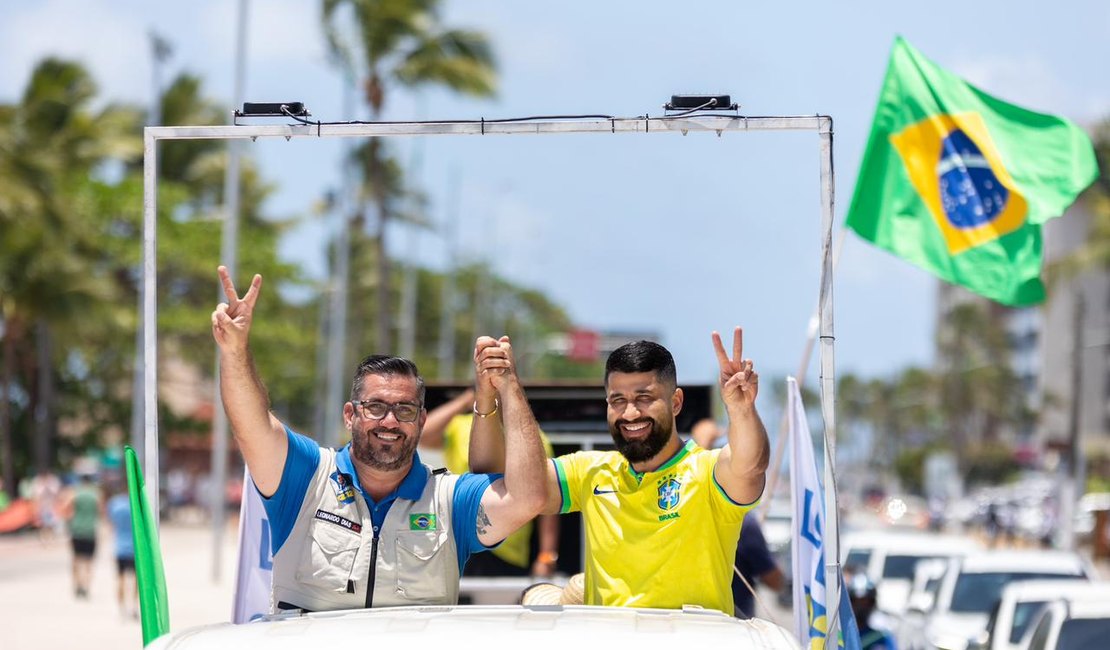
(456, 450)
(660, 539)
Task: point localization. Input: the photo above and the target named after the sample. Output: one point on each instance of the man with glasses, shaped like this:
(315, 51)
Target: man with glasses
(370, 525)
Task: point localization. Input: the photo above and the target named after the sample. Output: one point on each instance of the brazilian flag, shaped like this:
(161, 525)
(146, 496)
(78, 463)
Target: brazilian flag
(959, 182)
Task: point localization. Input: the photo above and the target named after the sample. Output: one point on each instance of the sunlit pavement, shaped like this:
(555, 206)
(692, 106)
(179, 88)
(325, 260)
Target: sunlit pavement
(40, 610)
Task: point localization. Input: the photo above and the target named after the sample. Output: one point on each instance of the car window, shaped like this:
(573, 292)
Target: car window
(858, 557)
(902, 566)
(1024, 615)
(978, 592)
(1083, 634)
(1040, 636)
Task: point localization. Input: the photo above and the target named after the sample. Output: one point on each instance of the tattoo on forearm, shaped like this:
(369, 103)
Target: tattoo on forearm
(482, 522)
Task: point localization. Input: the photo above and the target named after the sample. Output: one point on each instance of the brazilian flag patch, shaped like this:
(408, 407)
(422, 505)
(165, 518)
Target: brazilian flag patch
(422, 521)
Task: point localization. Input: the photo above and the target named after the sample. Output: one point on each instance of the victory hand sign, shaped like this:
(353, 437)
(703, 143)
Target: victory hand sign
(739, 381)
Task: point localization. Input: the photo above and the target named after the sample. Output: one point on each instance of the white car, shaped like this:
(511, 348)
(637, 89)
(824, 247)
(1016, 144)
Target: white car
(890, 559)
(1022, 602)
(473, 627)
(958, 610)
(1071, 623)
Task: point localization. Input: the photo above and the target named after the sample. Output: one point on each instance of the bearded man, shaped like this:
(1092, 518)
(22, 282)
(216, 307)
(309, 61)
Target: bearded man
(369, 525)
(662, 518)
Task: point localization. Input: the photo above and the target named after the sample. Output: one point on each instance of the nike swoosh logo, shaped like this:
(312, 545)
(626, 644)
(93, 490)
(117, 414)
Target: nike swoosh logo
(599, 492)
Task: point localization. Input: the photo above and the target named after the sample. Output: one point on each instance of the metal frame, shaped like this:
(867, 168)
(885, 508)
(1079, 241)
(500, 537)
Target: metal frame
(719, 124)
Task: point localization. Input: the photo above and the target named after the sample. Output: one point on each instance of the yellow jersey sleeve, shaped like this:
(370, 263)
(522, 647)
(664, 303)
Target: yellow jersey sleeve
(722, 503)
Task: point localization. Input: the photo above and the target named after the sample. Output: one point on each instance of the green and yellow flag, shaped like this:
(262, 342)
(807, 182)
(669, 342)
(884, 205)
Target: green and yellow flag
(149, 576)
(959, 182)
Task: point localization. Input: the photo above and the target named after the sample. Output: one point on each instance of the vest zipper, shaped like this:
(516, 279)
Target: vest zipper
(373, 569)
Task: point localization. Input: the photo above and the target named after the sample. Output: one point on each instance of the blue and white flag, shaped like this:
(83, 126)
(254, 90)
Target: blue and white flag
(808, 549)
(256, 559)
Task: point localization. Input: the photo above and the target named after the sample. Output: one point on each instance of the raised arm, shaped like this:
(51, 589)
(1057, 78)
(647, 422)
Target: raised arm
(519, 495)
(487, 437)
(260, 435)
(439, 417)
(742, 466)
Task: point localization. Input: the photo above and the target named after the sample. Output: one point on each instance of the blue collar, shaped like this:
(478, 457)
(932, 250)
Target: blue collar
(410, 488)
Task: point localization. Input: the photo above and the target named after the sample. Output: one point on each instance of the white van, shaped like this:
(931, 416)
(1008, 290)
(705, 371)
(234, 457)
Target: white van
(478, 627)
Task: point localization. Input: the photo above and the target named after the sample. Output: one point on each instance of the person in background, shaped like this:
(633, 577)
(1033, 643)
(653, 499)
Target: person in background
(82, 506)
(45, 492)
(448, 428)
(863, 595)
(754, 560)
(119, 515)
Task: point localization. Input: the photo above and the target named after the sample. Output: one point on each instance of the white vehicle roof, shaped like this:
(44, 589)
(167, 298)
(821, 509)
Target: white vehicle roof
(489, 628)
(1038, 590)
(910, 543)
(1024, 561)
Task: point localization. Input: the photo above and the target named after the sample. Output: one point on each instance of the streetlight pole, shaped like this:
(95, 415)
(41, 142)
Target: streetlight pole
(229, 248)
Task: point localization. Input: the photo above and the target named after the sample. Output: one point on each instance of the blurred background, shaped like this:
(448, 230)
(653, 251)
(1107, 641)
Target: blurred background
(953, 411)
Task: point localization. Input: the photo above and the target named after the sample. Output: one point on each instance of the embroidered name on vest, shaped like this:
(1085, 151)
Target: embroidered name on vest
(336, 519)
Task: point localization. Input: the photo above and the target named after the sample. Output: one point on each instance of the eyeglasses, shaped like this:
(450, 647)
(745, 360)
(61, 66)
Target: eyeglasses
(375, 410)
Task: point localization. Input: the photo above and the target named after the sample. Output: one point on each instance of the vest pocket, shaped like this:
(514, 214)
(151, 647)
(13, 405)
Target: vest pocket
(330, 557)
(422, 572)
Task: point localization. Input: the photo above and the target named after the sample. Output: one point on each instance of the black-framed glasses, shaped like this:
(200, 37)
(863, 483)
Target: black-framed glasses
(377, 410)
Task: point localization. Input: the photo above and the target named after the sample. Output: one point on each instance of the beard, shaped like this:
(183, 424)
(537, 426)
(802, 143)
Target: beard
(380, 455)
(637, 451)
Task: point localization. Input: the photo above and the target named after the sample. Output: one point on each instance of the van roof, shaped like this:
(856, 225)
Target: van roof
(491, 627)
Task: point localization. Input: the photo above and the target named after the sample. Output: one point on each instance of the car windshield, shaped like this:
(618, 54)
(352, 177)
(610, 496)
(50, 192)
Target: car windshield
(902, 566)
(1083, 634)
(858, 559)
(977, 593)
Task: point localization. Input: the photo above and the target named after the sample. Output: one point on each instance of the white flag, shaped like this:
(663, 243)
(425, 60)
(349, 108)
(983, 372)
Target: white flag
(808, 556)
(256, 559)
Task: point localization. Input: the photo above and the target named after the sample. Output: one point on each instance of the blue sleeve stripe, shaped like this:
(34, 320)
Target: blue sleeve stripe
(282, 507)
(730, 500)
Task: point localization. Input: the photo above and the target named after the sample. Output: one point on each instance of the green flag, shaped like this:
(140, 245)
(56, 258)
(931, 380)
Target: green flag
(959, 182)
(149, 576)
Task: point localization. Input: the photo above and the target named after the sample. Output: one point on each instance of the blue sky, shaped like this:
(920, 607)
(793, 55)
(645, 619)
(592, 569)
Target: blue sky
(679, 235)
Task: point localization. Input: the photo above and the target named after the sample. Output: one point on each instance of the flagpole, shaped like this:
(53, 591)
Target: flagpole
(831, 537)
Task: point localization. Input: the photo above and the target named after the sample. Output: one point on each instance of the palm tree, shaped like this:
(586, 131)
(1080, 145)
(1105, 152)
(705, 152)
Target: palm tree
(51, 279)
(399, 43)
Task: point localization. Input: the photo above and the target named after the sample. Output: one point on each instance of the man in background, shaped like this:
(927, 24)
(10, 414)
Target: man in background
(119, 515)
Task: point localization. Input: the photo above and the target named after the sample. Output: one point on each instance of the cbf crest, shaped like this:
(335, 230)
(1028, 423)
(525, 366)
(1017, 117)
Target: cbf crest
(344, 488)
(669, 491)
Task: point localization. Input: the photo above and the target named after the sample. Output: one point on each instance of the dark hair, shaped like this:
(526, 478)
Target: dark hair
(380, 364)
(642, 356)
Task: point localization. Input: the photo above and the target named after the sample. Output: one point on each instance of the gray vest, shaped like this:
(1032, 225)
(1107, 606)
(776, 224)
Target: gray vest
(325, 563)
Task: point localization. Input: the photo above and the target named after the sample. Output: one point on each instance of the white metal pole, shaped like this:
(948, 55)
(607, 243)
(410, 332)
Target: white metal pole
(831, 538)
(337, 343)
(447, 306)
(229, 257)
(150, 315)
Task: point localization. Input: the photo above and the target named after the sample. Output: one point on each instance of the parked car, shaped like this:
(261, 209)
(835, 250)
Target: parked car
(890, 558)
(956, 613)
(1075, 622)
(489, 628)
(1022, 602)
